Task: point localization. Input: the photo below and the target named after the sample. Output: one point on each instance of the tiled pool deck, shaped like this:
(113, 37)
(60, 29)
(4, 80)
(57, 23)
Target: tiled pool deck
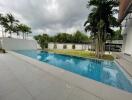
(23, 78)
(125, 62)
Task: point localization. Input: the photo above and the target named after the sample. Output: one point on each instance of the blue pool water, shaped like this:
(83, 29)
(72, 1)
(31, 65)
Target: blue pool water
(102, 71)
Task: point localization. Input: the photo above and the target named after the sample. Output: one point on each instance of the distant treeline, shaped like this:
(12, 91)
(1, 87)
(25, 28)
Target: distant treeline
(77, 37)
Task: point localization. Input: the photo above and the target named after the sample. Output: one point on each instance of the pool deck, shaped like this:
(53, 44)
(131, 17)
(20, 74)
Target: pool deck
(125, 62)
(24, 78)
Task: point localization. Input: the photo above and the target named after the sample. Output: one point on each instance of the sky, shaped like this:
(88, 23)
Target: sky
(48, 16)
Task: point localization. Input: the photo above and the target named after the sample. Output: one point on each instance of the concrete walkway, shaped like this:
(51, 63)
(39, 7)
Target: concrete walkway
(19, 80)
(23, 78)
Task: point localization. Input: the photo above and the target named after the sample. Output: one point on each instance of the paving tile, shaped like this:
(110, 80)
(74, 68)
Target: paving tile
(5, 75)
(57, 91)
(17, 95)
(79, 94)
(9, 86)
(36, 87)
(3, 67)
(26, 77)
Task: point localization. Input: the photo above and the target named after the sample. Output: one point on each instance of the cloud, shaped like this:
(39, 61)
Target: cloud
(49, 16)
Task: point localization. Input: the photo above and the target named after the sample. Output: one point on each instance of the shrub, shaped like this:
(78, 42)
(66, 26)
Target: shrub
(64, 46)
(73, 46)
(46, 45)
(55, 46)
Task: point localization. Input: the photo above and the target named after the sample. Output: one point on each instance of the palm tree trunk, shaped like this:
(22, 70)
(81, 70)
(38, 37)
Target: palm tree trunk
(97, 48)
(99, 45)
(23, 35)
(2, 32)
(10, 34)
(17, 35)
(27, 35)
(5, 34)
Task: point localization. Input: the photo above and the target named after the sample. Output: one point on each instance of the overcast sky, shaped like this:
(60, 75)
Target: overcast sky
(48, 16)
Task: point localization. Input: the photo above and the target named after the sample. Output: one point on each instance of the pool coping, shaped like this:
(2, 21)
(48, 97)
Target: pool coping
(98, 89)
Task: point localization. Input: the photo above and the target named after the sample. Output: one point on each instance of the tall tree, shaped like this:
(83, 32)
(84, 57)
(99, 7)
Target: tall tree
(79, 37)
(3, 23)
(42, 40)
(63, 38)
(117, 35)
(24, 29)
(11, 23)
(17, 30)
(100, 21)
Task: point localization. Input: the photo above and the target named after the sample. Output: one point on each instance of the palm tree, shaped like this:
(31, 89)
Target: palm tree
(100, 21)
(16, 29)
(0, 23)
(28, 31)
(3, 23)
(24, 29)
(11, 23)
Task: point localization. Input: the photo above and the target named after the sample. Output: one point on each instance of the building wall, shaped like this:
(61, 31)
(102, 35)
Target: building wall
(127, 26)
(59, 46)
(79, 47)
(128, 42)
(18, 44)
(127, 35)
(124, 42)
(69, 46)
(50, 45)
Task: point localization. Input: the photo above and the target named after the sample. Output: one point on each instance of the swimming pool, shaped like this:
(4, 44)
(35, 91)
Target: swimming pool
(107, 72)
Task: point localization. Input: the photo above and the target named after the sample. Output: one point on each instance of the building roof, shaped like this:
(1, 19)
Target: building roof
(124, 8)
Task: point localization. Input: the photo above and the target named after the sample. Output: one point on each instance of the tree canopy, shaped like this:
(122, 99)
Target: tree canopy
(117, 35)
(100, 22)
(42, 40)
(77, 37)
(12, 25)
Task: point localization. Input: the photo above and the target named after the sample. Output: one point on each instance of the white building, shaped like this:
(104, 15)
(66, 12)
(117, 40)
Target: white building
(125, 18)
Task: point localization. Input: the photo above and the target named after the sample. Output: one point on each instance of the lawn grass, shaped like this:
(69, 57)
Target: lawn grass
(80, 53)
